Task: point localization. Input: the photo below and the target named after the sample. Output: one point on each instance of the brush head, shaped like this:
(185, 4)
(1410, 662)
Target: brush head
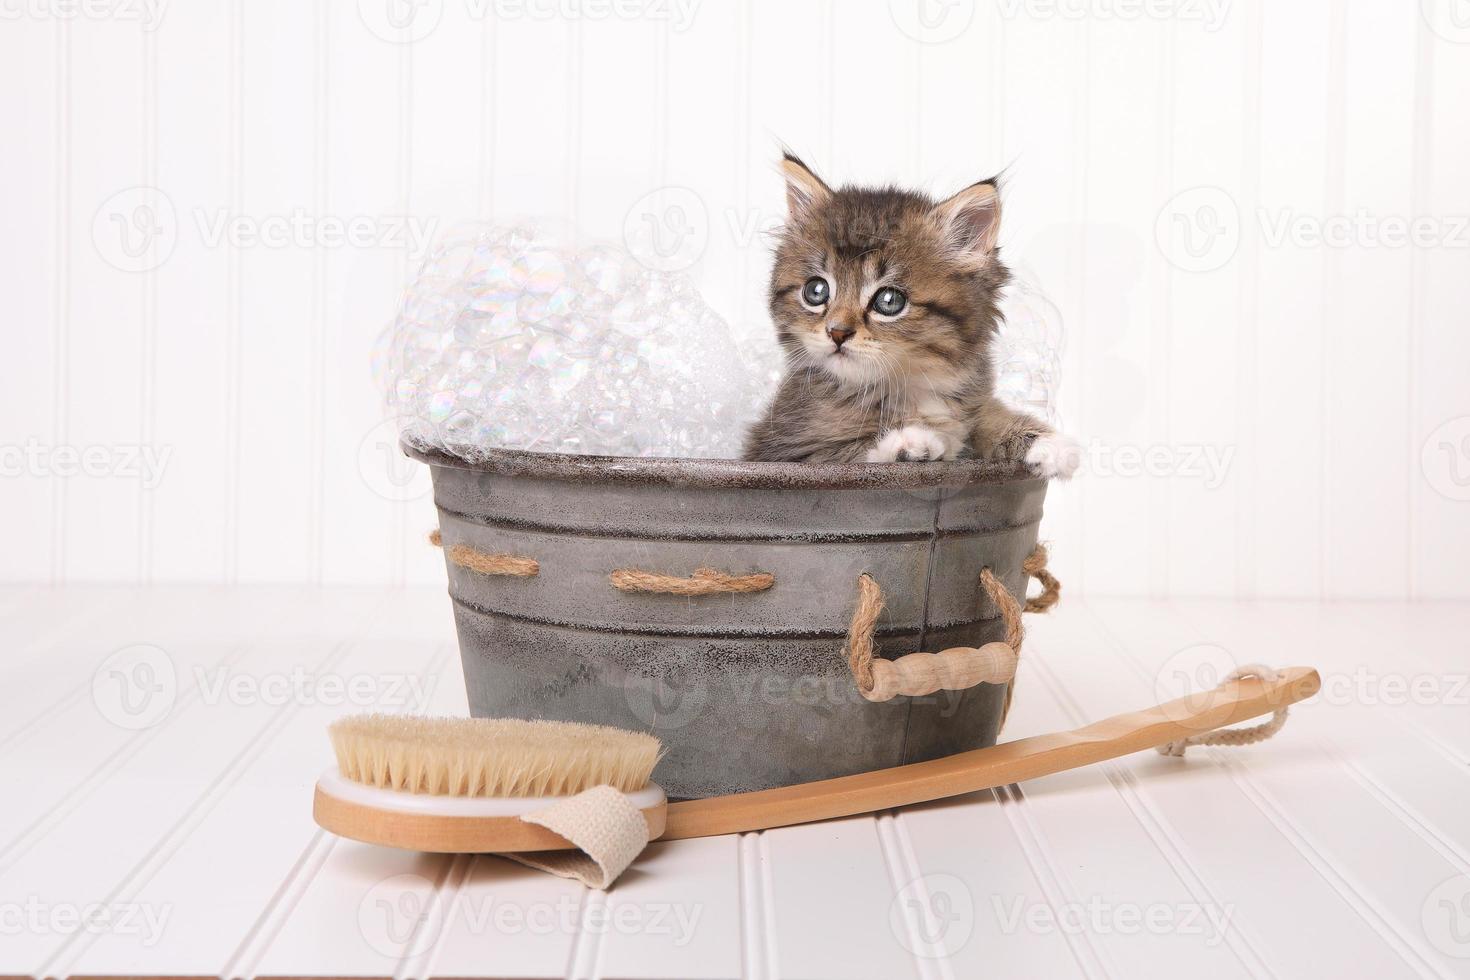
(490, 757)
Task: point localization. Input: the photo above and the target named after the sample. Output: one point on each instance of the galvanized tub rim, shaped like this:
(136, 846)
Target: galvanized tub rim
(725, 473)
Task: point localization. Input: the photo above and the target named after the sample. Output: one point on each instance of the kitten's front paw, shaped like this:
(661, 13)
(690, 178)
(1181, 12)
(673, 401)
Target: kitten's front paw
(1054, 455)
(911, 443)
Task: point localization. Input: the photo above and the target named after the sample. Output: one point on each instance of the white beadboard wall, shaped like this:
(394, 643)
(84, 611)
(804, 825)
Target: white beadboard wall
(1155, 151)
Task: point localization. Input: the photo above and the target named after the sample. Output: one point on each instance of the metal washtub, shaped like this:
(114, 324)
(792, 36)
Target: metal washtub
(747, 690)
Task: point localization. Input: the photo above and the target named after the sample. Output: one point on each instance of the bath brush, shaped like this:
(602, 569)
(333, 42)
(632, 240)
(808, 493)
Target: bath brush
(461, 784)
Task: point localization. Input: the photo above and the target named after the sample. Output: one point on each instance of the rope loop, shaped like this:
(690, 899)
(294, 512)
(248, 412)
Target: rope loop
(976, 665)
(860, 645)
(1234, 736)
(1051, 586)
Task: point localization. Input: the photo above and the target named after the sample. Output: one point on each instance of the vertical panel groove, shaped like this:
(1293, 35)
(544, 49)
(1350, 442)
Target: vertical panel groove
(1422, 171)
(1334, 181)
(755, 938)
(1161, 344)
(1247, 380)
(1059, 893)
(398, 533)
(148, 368)
(574, 124)
(1082, 139)
(61, 295)
(743, 45)
(485, 187)
(316, 381)
(234, 366)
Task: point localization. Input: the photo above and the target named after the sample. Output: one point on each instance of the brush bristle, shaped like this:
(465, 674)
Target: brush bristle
(490, 756)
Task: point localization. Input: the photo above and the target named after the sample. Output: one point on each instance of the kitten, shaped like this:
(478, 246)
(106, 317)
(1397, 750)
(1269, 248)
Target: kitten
(885, 303)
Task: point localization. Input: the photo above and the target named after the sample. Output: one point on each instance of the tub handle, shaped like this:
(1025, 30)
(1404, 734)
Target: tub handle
(957, 668)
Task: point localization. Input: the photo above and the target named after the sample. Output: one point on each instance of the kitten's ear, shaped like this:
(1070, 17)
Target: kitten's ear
(970, 221)
(805, 191)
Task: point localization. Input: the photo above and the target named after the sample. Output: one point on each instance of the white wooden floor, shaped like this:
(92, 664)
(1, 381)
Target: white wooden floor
(155, 814)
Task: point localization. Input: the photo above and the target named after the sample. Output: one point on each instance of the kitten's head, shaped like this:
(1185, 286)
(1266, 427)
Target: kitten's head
(879, 286)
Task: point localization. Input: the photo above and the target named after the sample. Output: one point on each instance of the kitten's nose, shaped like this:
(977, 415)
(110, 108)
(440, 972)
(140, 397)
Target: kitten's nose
(839, 333)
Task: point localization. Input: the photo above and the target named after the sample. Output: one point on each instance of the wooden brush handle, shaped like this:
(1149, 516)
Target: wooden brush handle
(1009, 762)
(954, 669)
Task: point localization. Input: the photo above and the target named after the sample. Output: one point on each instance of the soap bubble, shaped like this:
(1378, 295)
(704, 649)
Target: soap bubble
(1028, 351)
(508, 338)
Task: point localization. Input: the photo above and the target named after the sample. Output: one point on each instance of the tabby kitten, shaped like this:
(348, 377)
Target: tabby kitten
(886, 304)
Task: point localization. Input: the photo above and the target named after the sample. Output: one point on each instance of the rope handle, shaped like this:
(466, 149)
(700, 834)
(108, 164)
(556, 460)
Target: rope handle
(957, 668)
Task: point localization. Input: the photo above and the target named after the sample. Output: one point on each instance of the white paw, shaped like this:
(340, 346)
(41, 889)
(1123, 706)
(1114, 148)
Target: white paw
(1054, 456)
(910, 443)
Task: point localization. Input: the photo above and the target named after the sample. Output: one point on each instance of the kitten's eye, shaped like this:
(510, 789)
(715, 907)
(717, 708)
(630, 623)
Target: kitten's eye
(889, 301)
(816, 292)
